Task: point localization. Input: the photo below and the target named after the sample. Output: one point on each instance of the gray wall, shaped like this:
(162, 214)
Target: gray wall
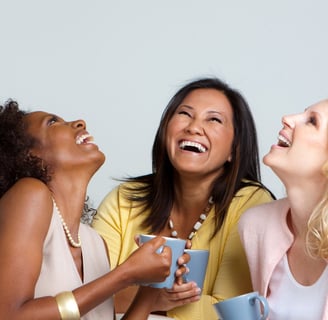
(117, 63)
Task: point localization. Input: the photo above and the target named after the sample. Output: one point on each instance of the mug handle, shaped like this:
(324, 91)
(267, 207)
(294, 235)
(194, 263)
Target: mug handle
(265, 306)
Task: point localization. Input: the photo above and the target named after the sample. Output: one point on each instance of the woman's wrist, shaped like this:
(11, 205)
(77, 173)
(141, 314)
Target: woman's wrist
(148, 296)
(141, 305)
(67, 306)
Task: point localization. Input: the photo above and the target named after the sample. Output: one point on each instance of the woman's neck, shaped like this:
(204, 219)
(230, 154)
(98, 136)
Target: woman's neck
(70, 197)
(302, 202)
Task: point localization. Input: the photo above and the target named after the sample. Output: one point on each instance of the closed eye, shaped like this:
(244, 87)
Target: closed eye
(184, 113)
(312, 120)
(215, 119)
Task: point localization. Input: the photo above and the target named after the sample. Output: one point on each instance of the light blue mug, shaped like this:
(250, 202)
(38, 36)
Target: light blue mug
(197, 266)
(177, 248)
(249, 306)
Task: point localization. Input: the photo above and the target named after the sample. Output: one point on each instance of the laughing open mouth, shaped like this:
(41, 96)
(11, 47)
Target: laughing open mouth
(283, 142)
(84, 139)
(192, 146)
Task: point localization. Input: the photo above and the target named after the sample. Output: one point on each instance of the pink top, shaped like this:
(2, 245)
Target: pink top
(58, 271)
(266, 238)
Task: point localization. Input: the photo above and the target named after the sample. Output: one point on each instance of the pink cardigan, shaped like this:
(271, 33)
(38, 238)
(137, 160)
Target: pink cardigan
(266, 238)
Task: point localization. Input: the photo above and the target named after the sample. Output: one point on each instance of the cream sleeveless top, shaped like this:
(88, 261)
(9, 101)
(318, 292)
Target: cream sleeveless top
(58, 270)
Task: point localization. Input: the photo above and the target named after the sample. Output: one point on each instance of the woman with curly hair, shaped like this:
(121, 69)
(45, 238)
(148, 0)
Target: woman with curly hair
(52, 266)
(286, 240)
(205, 175)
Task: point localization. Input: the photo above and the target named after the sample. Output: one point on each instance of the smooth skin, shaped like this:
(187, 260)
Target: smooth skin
(299, 167)
(26, 210)
(205, 117)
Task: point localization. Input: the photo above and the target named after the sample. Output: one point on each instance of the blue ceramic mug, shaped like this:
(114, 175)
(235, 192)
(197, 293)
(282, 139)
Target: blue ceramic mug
(197, 266)
(177, 248)
(249, 306)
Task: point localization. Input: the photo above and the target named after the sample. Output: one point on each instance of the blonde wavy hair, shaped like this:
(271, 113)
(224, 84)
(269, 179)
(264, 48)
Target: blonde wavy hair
(317, 234)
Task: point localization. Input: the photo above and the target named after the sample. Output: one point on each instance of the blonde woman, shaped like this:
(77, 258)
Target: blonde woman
(286, 240)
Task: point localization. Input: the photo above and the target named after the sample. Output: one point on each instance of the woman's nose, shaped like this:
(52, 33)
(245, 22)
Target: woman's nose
(195, 126)
(289, 121)
(79, 124)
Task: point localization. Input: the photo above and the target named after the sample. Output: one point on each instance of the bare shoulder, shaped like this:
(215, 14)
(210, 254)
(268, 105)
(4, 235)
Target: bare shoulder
(26, 190)
(28, 185)
(28, 199)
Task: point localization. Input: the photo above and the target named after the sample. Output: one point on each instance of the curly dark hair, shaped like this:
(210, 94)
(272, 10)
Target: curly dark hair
(16, 161)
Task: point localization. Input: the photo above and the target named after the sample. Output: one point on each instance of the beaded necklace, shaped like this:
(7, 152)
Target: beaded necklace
(198, 223)
(67, 232)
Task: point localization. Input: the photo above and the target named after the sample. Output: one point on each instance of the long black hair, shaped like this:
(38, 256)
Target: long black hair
(155, 191)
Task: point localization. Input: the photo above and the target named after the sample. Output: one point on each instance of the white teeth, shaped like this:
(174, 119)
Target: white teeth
(284, 141)
(196, 145)
(84, 138)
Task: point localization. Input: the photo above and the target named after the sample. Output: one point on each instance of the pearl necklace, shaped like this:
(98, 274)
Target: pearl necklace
(198, 223)
(67, 232)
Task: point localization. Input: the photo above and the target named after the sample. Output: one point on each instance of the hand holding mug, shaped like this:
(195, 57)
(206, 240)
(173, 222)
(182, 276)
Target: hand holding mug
(177, 248)
(151, 262)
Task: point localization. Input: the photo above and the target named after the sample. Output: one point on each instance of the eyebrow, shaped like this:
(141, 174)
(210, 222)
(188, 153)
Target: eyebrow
(186, 105)
(47, 117)
(192, 108)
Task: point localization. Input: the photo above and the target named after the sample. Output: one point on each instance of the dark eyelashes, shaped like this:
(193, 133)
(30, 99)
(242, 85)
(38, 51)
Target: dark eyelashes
(214, 119)
(217, 120)
(184, 112)
(313, 120)
(52, 120)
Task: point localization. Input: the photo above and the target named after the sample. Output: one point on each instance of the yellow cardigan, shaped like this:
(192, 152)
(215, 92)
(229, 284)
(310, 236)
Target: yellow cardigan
(227, 273)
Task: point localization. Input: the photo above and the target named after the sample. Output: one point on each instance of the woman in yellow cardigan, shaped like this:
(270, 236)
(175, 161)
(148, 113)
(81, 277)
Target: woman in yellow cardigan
(205, 174)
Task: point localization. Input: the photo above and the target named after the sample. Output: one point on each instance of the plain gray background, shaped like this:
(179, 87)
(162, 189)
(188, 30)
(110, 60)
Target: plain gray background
(116, 64)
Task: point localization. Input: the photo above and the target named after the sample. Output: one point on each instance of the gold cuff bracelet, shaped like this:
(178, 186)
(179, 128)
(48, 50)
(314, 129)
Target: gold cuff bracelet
(67, 306)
